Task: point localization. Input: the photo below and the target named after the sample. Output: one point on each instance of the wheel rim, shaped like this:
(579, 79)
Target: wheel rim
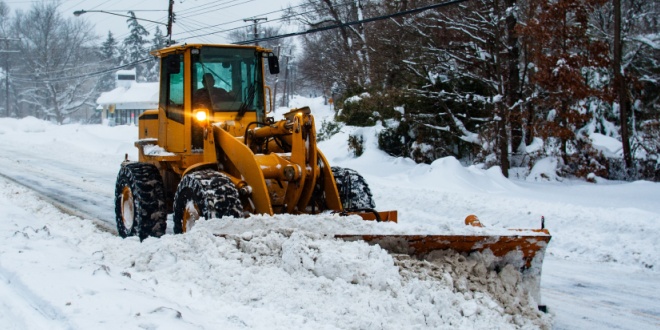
(127, 211)
(190, 216)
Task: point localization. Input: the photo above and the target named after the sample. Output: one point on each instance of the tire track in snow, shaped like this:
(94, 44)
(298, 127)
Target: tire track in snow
(581, 296)
(26, 310)
(65, 192)
(62, 201)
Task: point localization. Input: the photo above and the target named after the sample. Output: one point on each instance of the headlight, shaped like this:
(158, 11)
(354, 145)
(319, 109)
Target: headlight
(200, 115)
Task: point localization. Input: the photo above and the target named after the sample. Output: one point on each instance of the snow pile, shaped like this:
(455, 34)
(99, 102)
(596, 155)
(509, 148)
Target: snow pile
(476, 287)
(156, 150)
(544, 170)
(271, 279)
(58, 271)
(610, 146)
(330, 224)
(25, 125)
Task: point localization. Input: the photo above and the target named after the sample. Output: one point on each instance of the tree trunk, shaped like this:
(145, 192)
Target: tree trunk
(620, 82)
(529, 131)
(563, 128)
(503, 141)
(513, 79)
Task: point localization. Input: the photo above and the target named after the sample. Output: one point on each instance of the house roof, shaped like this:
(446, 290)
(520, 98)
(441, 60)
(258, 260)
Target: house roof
(137, 96)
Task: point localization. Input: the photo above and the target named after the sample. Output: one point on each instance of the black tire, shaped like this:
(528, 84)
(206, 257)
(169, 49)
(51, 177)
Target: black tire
(140, 201)
(204, 194)
(354, 191)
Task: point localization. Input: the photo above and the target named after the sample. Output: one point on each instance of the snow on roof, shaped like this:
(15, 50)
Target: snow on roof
(126, 72)
(137, 96)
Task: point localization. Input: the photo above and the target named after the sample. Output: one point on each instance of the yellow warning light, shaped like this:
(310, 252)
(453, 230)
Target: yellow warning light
(200, 115)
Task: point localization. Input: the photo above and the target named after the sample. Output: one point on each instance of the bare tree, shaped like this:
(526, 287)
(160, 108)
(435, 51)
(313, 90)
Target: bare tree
(482, 79)
(55, 56)
(636, 73)
(283, 48)
(7, 51)
(565, 56)
(469, 63)
(346, 46)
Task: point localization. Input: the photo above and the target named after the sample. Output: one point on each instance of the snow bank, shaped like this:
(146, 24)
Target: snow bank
(610, 146)
(271, 279)
(286, 272)
(334, 224)
(544, 170)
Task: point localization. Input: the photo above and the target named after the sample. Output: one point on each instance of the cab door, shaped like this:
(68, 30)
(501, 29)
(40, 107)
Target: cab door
(171, 104)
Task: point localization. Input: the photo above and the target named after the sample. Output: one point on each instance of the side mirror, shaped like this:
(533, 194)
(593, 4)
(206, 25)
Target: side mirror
(173, 64)
(273, 64)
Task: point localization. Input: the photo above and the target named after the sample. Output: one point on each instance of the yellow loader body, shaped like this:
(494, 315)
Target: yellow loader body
(206, 156)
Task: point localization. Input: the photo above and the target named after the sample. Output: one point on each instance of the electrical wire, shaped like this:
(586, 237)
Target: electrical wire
(181, 36)
(89, 75)
(282, 36)
(208, 27)
(368, 20)
(65, 70)
(249, 25)
(202, 9)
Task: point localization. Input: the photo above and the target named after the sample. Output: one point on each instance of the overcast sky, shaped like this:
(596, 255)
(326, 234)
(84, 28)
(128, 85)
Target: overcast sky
(196, 20)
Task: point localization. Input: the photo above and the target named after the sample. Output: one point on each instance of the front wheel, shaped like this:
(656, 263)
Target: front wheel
(354, 191)
(140, 201)
(204, 194)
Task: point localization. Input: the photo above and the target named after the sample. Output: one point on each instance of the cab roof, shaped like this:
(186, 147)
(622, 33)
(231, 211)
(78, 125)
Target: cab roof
(182, 48)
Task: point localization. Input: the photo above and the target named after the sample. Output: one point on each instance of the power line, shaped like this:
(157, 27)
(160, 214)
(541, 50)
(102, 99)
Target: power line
(368, 20)
(255, 21)
(206, 8)
(247, 26)
(208, 27)
(179, 17)
(186, 15)
(26, 76)
(288, 35)
(89, 75)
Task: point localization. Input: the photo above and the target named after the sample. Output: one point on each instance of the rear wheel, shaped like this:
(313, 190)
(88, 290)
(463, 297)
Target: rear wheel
(140, 201)
(354, 191)
(204, 194)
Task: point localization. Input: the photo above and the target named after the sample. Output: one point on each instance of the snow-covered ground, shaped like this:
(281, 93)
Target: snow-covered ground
(63, 269)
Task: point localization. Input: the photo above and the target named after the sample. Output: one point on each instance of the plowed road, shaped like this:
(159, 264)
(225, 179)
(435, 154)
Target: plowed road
(579, 295)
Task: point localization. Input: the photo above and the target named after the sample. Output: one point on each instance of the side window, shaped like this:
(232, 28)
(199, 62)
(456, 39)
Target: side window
(171, 94)
(251, 78)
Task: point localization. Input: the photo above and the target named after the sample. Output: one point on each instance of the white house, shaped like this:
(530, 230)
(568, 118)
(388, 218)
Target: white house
(129, 99)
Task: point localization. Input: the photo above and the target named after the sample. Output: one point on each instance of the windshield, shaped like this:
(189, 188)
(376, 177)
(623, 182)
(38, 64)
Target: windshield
(227, 79)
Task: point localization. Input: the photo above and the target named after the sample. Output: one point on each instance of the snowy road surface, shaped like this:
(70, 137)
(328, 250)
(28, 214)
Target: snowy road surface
(601, 267)
(600, 296)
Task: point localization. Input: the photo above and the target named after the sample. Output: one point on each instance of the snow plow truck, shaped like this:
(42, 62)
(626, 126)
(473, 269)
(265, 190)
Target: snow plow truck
(211, 150)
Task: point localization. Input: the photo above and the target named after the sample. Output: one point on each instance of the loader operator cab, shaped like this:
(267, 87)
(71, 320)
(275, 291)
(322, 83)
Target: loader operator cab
(236, 77)
(225, 80)
(226, 83)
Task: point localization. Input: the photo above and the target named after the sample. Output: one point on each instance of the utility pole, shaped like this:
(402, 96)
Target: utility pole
(170, 20)
(285, 94)
(7, 51)
(255, 20)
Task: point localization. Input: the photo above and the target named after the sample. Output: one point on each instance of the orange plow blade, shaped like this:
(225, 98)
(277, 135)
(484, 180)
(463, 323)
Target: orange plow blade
(522, 248)
(387, 216)
(527, 242)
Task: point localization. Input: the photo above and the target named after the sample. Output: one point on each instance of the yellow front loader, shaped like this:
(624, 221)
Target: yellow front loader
(211, 150)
